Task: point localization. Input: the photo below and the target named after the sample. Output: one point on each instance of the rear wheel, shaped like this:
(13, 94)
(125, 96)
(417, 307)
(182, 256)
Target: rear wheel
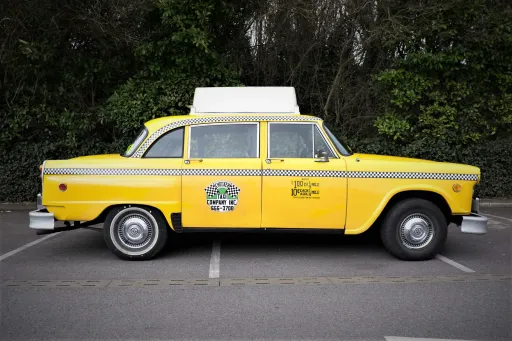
(414, 229)
(135, 232)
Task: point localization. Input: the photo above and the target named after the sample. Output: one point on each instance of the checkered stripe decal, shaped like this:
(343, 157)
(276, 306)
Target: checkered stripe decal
(110, 171)
(216, 119)
(223, 172)
(413, 175)
(304, 173)
(265, 172)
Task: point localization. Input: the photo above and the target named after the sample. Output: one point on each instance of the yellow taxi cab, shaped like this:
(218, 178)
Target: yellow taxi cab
(246, 159)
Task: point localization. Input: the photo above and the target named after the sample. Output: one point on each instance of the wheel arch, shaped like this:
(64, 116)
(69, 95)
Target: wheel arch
(101, 217)
(393, 198)
(434, 197)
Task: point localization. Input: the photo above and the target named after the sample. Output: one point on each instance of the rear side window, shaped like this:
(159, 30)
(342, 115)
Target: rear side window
(224, 141)
(169, 145)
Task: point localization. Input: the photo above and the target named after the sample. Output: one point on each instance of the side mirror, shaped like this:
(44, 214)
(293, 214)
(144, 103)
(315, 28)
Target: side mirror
(321, 156)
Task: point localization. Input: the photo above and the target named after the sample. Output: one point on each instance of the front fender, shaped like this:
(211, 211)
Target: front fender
(367, 199)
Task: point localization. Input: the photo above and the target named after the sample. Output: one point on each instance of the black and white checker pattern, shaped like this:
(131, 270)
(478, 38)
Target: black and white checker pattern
(217, 119)
(259, 172)
(222, 172)
(304, 173)
(413, 175)
(233, 190)
(111, 171)
(211, 190)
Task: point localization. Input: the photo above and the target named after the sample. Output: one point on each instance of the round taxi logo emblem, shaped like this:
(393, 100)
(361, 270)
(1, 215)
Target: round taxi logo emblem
(222, 196)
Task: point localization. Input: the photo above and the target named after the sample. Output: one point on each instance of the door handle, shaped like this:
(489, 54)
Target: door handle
(188, 161)
(274, 160)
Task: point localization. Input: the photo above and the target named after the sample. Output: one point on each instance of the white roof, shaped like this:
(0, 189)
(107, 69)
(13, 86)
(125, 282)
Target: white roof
(276, 100)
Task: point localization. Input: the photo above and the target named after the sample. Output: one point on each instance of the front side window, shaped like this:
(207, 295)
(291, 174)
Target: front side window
(224, 141)
(138, 141)
(294, 140)
(169, 145)
(342, 148)
(319, 143)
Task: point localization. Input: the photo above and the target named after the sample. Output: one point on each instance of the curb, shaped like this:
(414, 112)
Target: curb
(495, 203)
(29, 206)
(23, 206)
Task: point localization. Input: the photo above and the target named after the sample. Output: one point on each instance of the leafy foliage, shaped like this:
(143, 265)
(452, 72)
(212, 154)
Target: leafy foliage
(421, 79)
(454, 83)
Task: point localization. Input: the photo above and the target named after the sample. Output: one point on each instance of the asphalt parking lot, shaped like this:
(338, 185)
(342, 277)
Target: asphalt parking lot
(254, 286)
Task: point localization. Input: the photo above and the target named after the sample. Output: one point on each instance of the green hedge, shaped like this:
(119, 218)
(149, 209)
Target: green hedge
(19, 174)
(494, 158)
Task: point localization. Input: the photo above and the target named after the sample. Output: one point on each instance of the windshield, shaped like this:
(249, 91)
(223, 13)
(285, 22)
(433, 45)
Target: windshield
(135, 144)
(342, 148)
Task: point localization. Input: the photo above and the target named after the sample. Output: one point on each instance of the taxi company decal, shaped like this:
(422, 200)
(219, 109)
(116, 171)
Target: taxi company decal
(222, 196)
(304, 188)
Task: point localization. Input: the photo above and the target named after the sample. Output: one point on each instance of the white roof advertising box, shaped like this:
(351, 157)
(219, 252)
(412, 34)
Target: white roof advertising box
(276, 100)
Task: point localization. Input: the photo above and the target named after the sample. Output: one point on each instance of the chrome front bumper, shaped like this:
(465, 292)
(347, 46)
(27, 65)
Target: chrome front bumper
(474, 224)
(41, 220)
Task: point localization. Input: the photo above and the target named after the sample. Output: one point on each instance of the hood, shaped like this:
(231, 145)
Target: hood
(404, 164)
(386, 158)
(98, 157)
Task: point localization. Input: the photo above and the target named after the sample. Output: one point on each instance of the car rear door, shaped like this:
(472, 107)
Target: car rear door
(221, 183)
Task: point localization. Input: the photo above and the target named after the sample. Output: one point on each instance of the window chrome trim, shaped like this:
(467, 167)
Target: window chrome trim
(224, 124)
(144, 131)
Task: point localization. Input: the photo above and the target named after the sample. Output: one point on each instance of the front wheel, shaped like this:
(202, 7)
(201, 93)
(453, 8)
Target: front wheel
(135, 232)
(414, 229)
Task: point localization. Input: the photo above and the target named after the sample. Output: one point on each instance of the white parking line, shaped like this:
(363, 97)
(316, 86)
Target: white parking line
(26, 246)
(497, 216)
(215, 260)
(400, 338)
(454, 263)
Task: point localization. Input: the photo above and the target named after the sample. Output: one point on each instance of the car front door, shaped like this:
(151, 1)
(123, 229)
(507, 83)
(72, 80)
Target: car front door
(304, 179)
(221, 183)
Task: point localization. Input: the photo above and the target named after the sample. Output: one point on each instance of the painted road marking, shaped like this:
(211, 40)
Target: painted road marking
(454, 263)
(215, 260)
(26, 246)
(497, 216)
(400, 338)
(155, 283)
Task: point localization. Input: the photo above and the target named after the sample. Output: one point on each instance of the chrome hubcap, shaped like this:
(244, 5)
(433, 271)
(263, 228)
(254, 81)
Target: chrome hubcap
(416, 231)
(135, 231)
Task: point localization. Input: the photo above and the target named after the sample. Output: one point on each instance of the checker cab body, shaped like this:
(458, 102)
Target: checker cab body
(245, 159)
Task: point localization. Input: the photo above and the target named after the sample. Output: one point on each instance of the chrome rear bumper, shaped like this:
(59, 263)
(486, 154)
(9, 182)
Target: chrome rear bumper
(474, 224)
(41, 219)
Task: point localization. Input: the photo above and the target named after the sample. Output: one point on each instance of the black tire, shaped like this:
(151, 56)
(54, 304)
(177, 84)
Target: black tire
(414, 229)
(147, 237)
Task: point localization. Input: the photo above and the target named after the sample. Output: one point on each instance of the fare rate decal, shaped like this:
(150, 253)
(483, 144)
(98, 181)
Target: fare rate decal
(304, 188)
